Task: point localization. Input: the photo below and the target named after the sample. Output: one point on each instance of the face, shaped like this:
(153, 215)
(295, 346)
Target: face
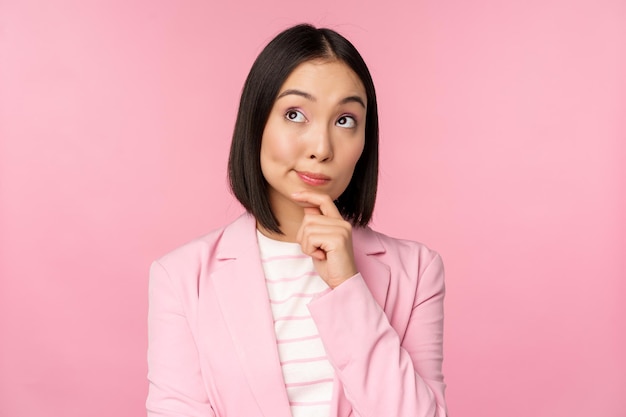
(315, 132)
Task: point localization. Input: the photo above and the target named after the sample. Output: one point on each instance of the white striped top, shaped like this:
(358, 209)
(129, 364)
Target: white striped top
(291, 283)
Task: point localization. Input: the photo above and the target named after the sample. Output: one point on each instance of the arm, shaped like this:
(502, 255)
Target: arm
(176, 388)
(383, 375)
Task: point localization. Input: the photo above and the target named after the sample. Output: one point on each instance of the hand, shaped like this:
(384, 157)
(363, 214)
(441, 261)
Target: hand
(326, 237)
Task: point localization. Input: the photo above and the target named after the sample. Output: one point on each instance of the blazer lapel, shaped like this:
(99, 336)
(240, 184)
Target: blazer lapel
(242, 294)
(376, 274)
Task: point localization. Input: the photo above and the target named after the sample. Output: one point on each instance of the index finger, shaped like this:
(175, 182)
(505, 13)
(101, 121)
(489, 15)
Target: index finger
(323, 201)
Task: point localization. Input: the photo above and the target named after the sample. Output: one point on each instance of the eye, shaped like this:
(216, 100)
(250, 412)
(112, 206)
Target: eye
(346, 121)
(295, 116)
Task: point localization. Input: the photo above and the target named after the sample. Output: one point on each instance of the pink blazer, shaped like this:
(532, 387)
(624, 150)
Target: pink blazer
(212, 347)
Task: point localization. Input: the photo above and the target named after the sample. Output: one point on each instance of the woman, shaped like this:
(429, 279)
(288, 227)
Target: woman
(297, 307)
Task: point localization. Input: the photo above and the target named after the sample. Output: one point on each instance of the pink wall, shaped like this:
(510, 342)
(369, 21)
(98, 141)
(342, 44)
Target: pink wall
(503, 147)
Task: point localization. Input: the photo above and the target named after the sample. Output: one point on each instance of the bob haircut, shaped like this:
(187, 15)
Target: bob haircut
(274, 64)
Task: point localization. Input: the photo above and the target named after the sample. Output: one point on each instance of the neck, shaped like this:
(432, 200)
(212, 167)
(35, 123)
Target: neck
(289, 217)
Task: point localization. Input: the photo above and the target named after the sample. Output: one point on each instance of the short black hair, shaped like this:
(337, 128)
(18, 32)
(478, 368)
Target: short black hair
(290, 48)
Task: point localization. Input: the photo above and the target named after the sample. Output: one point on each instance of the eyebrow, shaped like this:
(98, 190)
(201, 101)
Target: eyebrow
(349, 99)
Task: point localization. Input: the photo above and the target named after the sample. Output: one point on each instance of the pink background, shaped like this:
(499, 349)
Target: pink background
(503, 147)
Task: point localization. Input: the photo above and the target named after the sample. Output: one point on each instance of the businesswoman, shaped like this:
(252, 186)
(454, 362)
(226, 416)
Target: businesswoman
(297, 308)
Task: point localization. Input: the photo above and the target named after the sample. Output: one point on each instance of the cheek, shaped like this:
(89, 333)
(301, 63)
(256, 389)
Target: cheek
(354, 153)
(275, 153)
(277, 147)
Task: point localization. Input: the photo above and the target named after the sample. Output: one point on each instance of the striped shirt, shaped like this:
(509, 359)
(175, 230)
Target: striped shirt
(291, 283)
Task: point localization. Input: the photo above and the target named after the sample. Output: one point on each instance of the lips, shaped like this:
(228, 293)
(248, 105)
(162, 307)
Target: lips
(313, 178)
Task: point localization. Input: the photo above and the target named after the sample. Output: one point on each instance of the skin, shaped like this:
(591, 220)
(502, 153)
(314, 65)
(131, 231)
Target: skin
(311, 143)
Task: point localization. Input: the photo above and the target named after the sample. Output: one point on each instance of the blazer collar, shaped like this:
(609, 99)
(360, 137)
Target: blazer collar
(242, 295)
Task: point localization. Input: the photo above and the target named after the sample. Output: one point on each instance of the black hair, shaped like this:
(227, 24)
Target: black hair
(274, 64)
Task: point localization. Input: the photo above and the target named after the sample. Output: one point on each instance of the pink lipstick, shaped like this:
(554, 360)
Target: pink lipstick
(312, 178)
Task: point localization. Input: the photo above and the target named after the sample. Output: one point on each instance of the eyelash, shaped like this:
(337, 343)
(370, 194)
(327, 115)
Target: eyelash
(293, 111)
(348, 116)
(290, 112)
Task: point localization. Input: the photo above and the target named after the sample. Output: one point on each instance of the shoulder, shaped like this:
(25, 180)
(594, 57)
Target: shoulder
(412, 271)
(414, 267)
(191, 252)
(202, 252)
(392, 247)
(409, 262)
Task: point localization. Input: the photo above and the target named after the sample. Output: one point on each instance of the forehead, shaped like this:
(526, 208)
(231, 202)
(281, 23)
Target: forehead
(324, 77)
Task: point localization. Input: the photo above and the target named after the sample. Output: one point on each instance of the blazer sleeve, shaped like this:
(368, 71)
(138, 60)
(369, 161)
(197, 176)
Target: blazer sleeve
(382, 374)
(176, 388)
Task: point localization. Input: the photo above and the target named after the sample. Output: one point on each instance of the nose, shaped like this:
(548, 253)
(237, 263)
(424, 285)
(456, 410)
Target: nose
(320, 146)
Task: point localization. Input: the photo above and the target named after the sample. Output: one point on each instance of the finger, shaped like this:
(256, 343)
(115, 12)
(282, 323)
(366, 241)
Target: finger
(318, 254)
(323, 201)
(313, 250)
(318, 224)
(333, 239)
